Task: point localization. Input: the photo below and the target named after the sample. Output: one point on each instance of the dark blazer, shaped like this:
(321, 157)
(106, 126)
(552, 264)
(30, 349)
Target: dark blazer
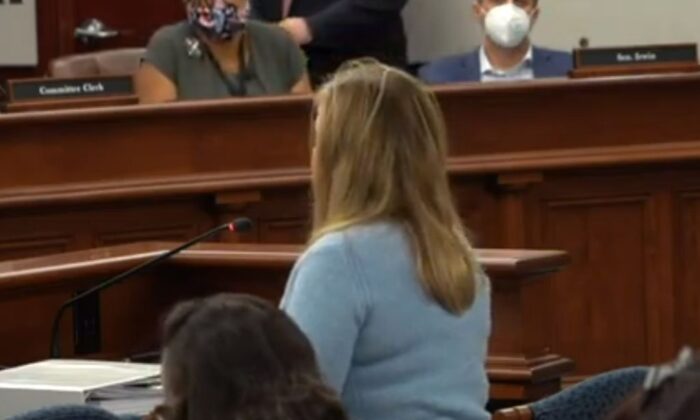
(467, 67)
(344, 29)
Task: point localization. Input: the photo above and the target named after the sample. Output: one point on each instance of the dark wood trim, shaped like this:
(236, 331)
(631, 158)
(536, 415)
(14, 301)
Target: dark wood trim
(516, 413)
(274, 105)
(555, 85)
(594, 157)
(281, 103)
(503, 264)
(539, 369)
(154, 187)
(255, 180)
(109, 101)
(662, 68)
(65, 29)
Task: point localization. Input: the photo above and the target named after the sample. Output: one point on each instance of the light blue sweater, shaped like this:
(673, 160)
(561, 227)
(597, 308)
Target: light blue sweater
(389, 349)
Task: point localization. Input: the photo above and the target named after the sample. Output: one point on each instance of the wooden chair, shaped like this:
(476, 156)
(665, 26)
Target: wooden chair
(102, 63)
(522, 412)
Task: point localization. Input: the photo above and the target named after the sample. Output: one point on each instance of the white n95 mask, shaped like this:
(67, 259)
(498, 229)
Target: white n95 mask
(507, 25)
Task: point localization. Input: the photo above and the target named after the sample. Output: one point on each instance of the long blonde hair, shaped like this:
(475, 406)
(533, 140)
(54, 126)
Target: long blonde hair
(380, 154)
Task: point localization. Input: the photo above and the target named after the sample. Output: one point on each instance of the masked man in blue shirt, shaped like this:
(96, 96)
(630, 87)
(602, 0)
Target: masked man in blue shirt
(506, 53)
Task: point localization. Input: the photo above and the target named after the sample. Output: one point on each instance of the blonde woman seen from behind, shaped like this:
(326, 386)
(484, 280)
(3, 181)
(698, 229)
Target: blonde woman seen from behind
(389, 291)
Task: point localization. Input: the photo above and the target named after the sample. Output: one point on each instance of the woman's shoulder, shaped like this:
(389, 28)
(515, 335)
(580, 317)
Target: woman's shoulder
(169, 33)
(330, 243)
(165, 47)
(363, 241)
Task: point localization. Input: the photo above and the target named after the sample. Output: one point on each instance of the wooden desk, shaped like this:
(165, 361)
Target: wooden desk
(521, 365)
(604, 169)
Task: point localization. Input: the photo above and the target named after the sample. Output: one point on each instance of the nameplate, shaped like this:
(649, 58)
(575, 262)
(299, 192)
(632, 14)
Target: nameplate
(636, 60)
(37, 90)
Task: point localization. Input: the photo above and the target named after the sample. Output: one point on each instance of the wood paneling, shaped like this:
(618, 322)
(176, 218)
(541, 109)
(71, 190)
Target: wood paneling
(688, 286)
(479, 209)
(523, 369)
(623, 231)
(604, 169)
(570, 115)
(603, 235)
(34, 231)
(29, 245)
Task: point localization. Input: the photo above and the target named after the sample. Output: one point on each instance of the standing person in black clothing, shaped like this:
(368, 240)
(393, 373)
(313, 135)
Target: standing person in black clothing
(334, 31)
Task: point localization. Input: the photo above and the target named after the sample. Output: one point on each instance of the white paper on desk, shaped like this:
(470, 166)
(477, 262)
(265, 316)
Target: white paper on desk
(59, 382)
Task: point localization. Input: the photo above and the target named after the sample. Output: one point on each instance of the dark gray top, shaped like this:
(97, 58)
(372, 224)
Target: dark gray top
(276, 63)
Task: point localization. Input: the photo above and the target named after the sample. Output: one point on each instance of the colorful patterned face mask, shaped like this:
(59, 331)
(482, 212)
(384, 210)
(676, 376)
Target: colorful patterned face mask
(219, 22)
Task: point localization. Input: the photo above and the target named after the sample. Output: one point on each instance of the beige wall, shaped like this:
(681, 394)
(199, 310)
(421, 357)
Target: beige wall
(618, 22)
(436, 28)
(18, 37)
(440, 27)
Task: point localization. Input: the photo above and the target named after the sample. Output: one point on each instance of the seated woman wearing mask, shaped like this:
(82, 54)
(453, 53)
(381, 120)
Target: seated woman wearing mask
(217, 53)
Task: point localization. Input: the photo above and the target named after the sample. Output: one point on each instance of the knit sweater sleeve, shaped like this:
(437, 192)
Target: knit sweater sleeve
(327, 298)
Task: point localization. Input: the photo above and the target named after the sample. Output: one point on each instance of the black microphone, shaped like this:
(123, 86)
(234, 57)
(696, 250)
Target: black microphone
(239, 225)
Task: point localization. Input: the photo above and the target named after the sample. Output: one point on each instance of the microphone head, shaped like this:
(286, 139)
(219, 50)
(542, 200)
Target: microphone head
(241, 224)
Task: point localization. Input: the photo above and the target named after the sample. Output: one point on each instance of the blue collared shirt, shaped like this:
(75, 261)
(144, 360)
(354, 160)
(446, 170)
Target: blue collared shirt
(523, 71)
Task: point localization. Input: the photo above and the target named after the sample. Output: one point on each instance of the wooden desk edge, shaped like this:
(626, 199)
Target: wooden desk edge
(103, 261)
(247, 105)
